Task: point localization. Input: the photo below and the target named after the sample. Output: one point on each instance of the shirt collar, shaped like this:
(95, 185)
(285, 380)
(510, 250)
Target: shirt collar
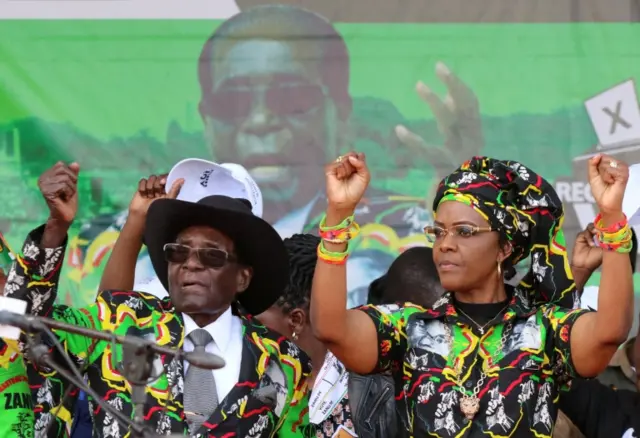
(219, 329)
(444, 307)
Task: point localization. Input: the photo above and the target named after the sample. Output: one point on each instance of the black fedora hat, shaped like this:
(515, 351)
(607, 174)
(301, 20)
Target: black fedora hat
(258, 242)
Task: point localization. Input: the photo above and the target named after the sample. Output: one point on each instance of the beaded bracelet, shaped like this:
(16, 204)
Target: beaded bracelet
(616, 237)
(345, 231)
(597, 222)
(333, 258)
(621, 247)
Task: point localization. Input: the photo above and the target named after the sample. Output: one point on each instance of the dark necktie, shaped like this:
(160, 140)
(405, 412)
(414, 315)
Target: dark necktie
(200, 395)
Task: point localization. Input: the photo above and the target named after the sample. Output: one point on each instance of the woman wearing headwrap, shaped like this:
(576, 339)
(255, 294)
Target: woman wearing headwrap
(487, 359)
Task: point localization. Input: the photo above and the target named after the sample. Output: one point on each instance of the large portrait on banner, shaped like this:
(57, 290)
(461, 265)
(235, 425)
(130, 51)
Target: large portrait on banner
(284, 87)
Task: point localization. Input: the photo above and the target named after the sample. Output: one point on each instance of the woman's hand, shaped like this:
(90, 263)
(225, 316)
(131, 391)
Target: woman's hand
(347, 180)
(608, 180)
(586, 254)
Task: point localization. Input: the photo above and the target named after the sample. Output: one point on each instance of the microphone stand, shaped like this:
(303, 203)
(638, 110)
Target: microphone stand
(39, 353)
(138, 371)
(37, 323)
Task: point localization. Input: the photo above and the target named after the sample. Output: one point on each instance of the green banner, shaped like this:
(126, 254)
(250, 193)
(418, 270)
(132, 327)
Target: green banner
(285, 91)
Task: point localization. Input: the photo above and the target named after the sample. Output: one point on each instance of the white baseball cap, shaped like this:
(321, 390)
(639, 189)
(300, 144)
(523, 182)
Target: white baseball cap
(204, 178)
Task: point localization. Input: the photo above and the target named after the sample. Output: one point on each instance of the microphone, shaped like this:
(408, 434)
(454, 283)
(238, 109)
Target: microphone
(40, 354)
(30, 323)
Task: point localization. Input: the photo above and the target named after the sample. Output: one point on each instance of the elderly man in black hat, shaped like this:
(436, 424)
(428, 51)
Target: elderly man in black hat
(210, 256)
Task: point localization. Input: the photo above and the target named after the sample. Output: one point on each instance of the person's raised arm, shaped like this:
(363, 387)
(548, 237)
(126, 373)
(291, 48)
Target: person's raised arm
(351, 335)
(119, 273)
(35, 273)
(595, 336)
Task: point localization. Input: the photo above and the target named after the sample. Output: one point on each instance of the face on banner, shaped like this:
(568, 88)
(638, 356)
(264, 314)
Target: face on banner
(283, 90)
(267, 105)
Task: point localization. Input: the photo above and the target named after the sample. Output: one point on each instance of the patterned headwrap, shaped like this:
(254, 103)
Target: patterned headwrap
(525, 209)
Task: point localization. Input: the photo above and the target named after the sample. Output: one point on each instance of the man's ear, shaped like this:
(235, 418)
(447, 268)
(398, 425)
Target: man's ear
(245, 274)
(297, 320)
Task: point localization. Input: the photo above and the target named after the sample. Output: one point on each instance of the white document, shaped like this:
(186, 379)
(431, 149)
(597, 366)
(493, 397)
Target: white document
(615, 114)
(15, 306)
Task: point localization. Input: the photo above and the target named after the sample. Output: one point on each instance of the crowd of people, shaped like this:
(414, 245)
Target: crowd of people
(450, 344)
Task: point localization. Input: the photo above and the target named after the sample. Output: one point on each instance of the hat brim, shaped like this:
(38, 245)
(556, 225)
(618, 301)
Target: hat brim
(258, 242)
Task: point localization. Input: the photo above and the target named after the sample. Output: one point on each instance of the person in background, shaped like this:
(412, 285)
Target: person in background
(16, 415)
(206, 271)
(622, 372)
(338, 402)
(601, 411)
(596, 408)
(412, 277)
(368, 407)
(455, 364)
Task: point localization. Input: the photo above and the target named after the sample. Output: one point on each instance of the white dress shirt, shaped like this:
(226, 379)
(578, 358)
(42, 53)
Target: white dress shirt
(226, 332)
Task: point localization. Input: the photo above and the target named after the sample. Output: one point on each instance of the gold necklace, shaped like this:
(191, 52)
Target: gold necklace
(481, 327)
(470, 404)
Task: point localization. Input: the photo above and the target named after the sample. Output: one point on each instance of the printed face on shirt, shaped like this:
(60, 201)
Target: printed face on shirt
(274, 386)
(197, 288)
(430, 336)
(526, 335)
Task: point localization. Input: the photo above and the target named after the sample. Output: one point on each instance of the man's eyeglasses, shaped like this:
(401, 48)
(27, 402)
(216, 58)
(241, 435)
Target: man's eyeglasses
(210, 257)
(281, 100)
(435, 233)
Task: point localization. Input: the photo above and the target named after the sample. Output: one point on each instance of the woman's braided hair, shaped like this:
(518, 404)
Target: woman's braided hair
(303, 256)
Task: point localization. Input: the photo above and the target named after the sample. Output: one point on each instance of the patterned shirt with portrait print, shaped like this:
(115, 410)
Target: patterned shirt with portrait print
(525, 355)
(329, 408)
(339, 423)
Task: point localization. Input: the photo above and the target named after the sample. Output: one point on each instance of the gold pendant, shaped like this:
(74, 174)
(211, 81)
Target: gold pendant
(469, 406)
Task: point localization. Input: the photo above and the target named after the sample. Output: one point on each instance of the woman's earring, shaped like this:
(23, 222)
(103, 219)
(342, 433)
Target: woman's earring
(499, 268)
(294, 336)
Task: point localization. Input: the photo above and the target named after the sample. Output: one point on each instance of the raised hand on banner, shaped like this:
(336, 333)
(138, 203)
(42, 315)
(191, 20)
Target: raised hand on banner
(59, 187)
(458, 120)
(347, 180)
(457, 117)
(150, 189)
(608, 180)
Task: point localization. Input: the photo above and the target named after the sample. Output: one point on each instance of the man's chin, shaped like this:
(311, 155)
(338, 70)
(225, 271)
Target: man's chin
(271, 175)
(277, 184)
(190, 307)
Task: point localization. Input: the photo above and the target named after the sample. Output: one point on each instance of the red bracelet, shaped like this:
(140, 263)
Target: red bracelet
(611, 228)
